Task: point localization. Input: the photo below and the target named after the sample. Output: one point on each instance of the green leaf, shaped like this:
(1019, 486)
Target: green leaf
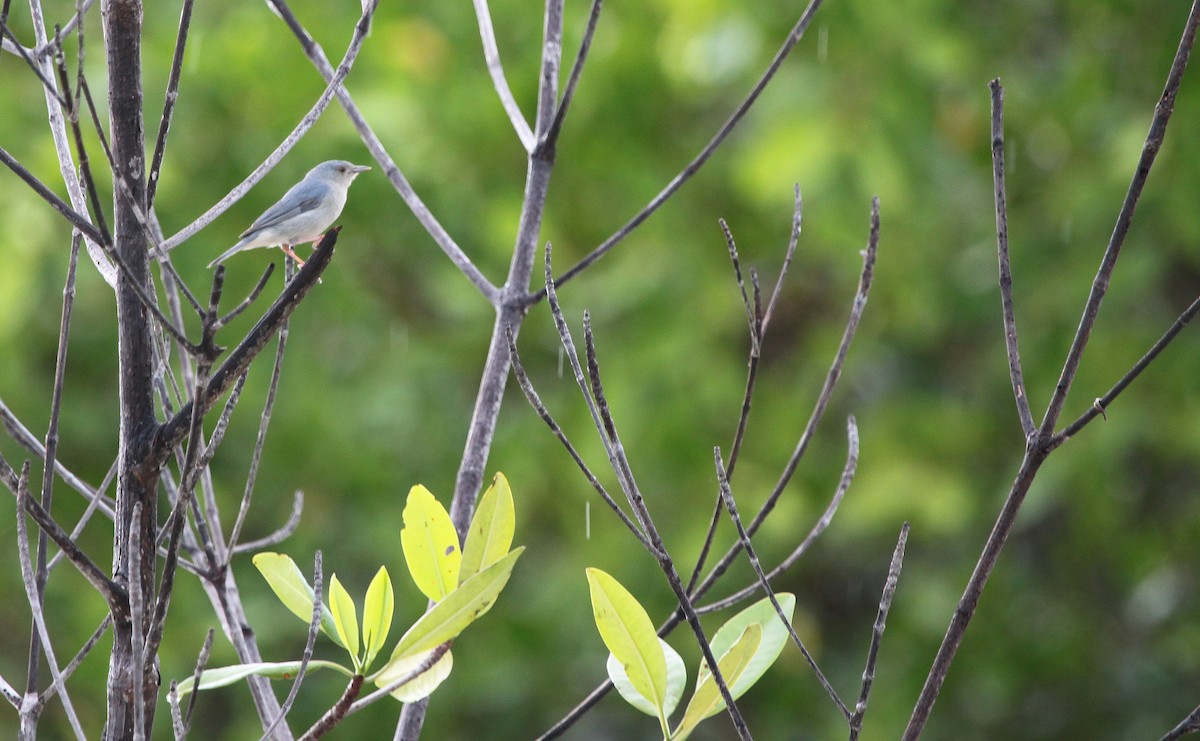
(345, 617)
(377, 614)
(292, 589)
(227, 675)
(707, 700)
(445, 620)
(676, 680)
(492, 529)
(423, 684)
(774, 638)
(629, 635)
(430, 544)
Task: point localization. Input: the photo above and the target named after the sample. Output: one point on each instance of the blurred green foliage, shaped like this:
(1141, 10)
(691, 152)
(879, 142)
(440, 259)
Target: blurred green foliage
(1088, 628)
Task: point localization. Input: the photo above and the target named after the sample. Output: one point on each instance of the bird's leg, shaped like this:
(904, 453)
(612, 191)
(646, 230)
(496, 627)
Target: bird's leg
(287, 250)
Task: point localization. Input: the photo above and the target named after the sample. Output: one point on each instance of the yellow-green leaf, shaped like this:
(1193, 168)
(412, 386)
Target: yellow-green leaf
(492, 529)
(676, 681)
(430, 544)
(420, 686)
(707, 700)
(345, 617)
(227, 675)
(774, 638)
(629, 635)
(377, 614)
(448, 618)
(292, 589)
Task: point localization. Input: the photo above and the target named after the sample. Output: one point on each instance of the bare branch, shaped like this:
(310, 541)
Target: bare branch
(535, 401)
(250, 298)
(1036, 454)
(314, 625)
(60, 371)
(201, 662)
(78, 220)
(752, 556)
(1006, 296)
(885, 604)
(818, 413)
(172, 432)
(256, 456)
(280, 535)
(550, 136)
(491, 55)
(1101, 404)
(138, 638)
(1154, 140)
(164, 124)
(80, 655)
(816, 531)
(698, 161)
(24, 501)
(1190, 724)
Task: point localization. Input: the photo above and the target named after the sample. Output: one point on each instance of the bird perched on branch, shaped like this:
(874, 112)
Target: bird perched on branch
(304, 212)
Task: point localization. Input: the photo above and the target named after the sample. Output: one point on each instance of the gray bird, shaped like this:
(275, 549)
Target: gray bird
(304, 212)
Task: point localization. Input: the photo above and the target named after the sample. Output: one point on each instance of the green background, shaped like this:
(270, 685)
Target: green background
(1089, 626)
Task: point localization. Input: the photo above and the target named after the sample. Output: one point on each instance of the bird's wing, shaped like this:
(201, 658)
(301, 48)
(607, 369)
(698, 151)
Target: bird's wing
(287, 207)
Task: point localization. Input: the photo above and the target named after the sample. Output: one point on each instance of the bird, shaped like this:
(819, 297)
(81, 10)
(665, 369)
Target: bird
(304, 212)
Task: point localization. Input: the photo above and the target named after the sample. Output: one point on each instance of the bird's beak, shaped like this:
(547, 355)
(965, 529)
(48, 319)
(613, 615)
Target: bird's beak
(356, 169)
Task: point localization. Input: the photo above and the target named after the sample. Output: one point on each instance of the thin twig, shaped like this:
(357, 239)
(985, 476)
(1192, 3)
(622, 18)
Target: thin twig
(1006, 293)
(250, 297)
(817, 529)
(550, 137)
(885, 604)
(756, 565)
(164, 122)
(1101, 404)
(24, 502)
(201, 662)
(259, 443)
(491, 55)
(1190, 724)
(78, 220)
(69, 26)
(698, 161)
(1154, 140)
(823, 398)
(80, 655)
(281, 534)
(60, 372)
(535, 401)
(137, 611)
(85, 168)
(757, 322)
(314, 625)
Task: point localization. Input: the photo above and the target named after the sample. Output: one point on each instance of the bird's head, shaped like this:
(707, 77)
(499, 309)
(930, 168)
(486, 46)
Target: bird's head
(338, 172)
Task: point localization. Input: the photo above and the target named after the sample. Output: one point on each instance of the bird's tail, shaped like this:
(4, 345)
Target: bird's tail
(228, 253)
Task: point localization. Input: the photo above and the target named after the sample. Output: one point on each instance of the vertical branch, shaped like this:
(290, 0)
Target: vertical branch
(60, 368)
(1006, 298)
(885, 605)
(137, 476)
